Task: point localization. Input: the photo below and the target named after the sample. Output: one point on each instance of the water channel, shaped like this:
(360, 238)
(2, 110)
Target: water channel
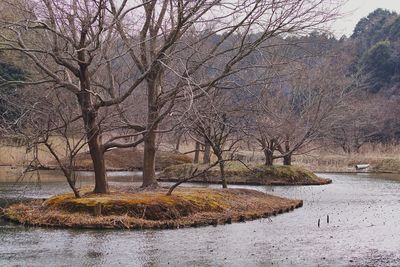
(363, 230)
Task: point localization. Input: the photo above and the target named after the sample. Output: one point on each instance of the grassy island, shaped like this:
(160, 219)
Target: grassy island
(186, 207)
(252, 175)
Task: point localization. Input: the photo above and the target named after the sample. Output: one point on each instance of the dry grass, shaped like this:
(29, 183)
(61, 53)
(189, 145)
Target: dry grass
(140, 210)
(381, 159)
(117, 159)
(20, 156)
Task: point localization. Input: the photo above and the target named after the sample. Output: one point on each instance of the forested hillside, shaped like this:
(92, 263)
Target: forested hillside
(9, 72)
(377, 57)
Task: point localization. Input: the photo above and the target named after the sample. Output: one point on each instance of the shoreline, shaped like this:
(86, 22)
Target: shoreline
(324, 181)
(55, 168)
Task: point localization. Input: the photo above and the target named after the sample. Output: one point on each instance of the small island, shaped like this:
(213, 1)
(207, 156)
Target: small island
(129, 208)
(237, 173)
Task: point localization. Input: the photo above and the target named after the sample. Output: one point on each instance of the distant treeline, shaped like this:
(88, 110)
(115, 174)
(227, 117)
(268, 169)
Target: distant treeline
(377, 58)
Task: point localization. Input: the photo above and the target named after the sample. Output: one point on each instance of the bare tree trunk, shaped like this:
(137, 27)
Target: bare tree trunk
(149, 160)
(222, 170)
(71, 183)
(149, 163)
(207, 153)
(196, 153)
(346, 148)
(94, 144)
(99, 167)
(287, 160)
(178, 142)
(269, 157)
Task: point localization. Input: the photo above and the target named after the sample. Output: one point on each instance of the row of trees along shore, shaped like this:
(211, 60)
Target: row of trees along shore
(107, 74)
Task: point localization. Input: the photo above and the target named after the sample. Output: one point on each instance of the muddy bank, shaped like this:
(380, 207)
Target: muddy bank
(250, 175)
(124, 159)
(187, 207)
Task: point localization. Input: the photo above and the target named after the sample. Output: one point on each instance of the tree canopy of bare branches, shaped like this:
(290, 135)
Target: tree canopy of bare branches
(106, 52)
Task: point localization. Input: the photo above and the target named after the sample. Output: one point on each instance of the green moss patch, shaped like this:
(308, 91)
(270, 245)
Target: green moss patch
(253, 175)
(186, 207)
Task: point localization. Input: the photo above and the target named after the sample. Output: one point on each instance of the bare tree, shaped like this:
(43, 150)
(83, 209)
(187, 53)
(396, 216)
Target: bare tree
(364, 119)
(213, 120)
(73, 46)
(54, 125)
(297, 110)
(48, 123)
(186, 49)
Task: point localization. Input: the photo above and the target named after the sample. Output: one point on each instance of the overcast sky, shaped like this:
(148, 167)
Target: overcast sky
(358, 9)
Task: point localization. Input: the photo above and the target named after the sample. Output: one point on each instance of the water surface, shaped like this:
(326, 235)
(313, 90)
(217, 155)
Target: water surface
(363, 229)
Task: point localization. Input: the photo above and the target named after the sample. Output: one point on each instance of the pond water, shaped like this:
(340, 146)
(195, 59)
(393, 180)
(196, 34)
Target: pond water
(363, 229)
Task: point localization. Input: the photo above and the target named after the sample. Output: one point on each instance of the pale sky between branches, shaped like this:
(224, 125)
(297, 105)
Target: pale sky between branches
(356, 9)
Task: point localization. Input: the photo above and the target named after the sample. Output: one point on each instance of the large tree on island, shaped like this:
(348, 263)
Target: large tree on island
(189, 48)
